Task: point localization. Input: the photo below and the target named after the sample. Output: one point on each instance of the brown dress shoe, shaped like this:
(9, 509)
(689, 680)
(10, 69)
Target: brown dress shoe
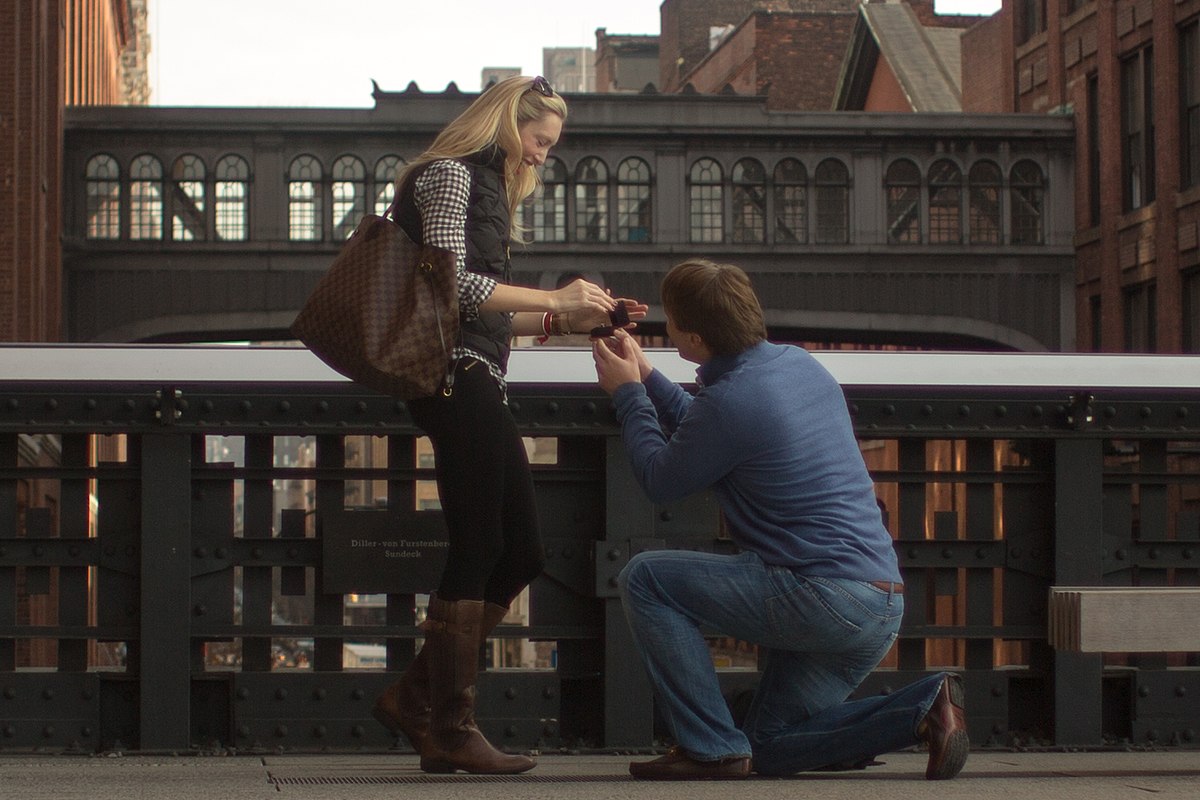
(677, 765)
(944, 729)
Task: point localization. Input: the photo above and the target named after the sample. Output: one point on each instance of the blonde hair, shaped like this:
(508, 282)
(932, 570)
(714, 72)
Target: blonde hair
(494, 118)
(715, 301)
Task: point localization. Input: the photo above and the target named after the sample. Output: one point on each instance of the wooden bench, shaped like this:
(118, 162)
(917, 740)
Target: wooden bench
(1125, 619)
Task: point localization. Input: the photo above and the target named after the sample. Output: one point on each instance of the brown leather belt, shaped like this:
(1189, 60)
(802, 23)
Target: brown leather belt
(895, 588)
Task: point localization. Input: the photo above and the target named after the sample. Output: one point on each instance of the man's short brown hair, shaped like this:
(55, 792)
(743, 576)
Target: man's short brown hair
(715, 301)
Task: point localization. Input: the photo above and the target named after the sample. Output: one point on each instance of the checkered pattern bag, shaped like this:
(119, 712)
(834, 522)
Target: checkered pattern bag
(386, 312)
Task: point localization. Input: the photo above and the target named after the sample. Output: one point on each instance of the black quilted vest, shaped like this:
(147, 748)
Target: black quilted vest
(488, 230)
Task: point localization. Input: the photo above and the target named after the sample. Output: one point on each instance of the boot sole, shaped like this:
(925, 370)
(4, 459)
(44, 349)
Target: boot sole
(958, 746)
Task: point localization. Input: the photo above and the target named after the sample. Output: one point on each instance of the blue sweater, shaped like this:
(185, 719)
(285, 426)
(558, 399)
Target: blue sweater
(770, 433)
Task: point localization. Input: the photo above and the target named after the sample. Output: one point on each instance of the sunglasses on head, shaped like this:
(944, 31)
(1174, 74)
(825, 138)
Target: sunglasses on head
(541, 86)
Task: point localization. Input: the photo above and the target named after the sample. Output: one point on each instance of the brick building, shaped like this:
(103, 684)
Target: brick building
(84, 52)
(625, 62)
(1129, 72)
(791, 51)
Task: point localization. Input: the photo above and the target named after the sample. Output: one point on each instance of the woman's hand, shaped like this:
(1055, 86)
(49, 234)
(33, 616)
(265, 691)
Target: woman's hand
(581, 295)
(619, 361)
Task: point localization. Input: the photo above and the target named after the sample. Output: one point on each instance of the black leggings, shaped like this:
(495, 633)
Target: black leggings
(486, 489)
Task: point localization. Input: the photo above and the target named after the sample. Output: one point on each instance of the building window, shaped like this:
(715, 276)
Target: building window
(304, 199)
(546, 215)
(945, 203)
(591, 200)
(145, 198)
(791, 202)
(349, 195)
(749, 202)
(1141, 318)
(386, 170)
(633, 201)
(232, 177)
(1027, 192)
(985, 182)
(187, 199)
(1093, 131)
(1189, 105)
(833, 202)
(1137, 128)
(1031, 18)
(902, 186)
(1097, 329)
(705, 208)
(1191, 311)
(102, 177)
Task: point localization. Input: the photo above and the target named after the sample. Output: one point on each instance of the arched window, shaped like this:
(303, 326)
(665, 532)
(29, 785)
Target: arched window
(833, 202)
(349, 195)
(983, 182)
(705, 202)
(304, 199)
(791, 202)
(546, 214)
(902, 186)
(634, 219)
(187, 200)
(145, 198)
(591, 200)
(945, 203)
(102, 177)
(232, 191)
(1026, 188)
(749, 202)
(385, 182)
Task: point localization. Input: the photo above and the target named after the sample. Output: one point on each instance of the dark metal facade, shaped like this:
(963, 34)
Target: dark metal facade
(993, 492)
(930, 228)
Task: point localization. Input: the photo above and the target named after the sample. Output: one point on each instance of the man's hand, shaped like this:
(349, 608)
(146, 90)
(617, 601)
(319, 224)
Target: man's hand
(619, 360)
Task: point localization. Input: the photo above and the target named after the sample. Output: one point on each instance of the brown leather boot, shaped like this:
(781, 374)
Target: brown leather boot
(403, 707)
(944, 729)
(453, 632)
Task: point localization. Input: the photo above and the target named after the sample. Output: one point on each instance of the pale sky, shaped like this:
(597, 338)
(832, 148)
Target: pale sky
(324, 53)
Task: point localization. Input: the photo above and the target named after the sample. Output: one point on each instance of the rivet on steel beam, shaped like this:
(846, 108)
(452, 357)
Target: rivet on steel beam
(510, 693)
(243, 693)
(39, 551)
(293, 553)
(200, 609)
(552, 407)
(1152, 735)
(889, 410)
(129, 404)
(48, 731)
(946, 552)
(510, 732)
(515, 406)
(1187, 553)
(614, 554)
(358, 731)
(997, 729)
(548, 730)
(87, 694)
(9, 732)
(48, 694)
(200, 552)
(997, 691)
(319, 731)
(246, 405)
(400, 407)
(612, 582)
(85, 732)
(357, 694)
(256, 552)
(323, 406)
(1146, 412)
(964, 410)
(207, 406)
(90, 404)
(1181, 412)
(1110, 412)
(1180, 691)
(589, 407)
(244, 731)
(1036, 411)
(51, 404)
(281, 694)
(1120, 555)
(1153, 553)
(285, 406)
(927, 410)
(220, 552)
(1001, 411)
(13, 404)
(319, 694)
(665, 516)
(281, 731)
(361, 406)
(548, 692)
(981, 553)
(912, 552)
(1143, 691)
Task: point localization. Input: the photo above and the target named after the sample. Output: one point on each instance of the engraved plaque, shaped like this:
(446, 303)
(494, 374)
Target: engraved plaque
(377, 551)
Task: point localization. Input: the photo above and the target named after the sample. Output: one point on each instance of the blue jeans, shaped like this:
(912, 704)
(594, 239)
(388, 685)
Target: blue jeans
(820, 637)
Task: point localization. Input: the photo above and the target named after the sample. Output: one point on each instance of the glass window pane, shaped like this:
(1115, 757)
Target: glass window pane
(833, 202)
(945, 203)
(1026, 193)
(706, 198)
(232, 198)
(349, 190)
(633, 201)
(591, 201)
(304, 199)
(187, 200)
(386, 170)
(902, 186)
(145, 198)
(749, 202)
(545, 215)
(102, 178)
(791, 202)
(984, 220)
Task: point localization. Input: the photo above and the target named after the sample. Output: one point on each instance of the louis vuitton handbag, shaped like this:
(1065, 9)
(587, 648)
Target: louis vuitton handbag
(386, 313)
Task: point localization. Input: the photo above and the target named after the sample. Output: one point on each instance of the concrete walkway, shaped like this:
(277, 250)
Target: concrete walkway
(990, 774)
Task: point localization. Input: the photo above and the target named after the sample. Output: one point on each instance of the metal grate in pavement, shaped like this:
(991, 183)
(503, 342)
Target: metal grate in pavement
(383, 780)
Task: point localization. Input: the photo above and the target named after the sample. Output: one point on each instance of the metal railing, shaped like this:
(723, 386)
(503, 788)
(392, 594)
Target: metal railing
(174, 545)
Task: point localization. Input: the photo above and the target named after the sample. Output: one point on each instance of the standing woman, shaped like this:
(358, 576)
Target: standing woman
(462, 194)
